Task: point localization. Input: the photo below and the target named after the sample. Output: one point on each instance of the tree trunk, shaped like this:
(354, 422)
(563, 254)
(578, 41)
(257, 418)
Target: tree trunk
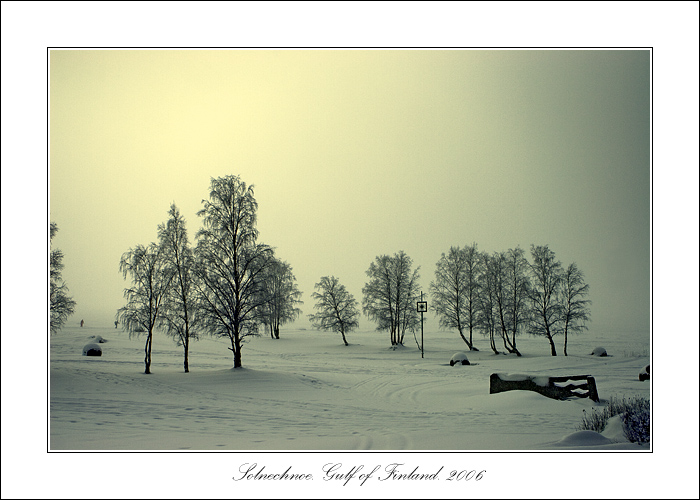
(471, 346)
(237, 353)
(551, 345)
(147, 360)
(342, 332)
(505, 344)
(236, 350)
(471, 341)
(187, 338)
(510, 345)
(492, 341)
(187, 348)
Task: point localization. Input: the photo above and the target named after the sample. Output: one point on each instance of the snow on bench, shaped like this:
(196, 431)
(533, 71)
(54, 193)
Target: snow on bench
(552, 387)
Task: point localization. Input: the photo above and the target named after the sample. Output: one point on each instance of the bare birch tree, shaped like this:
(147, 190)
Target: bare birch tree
(545, 294)
(486, 299)
(281, 296)
(230, 263)
(390, 295)
(151, 278)
(455, 291)
(180, 313)
(510, 284)
(575, 309)
(517, 286)
(337, 308)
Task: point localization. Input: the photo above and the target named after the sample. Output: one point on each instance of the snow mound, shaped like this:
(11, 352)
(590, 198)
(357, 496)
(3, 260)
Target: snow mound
(614, 430)
(584, 438)
(459, 358)
(98, 339)
(92, 350)
(599, 351)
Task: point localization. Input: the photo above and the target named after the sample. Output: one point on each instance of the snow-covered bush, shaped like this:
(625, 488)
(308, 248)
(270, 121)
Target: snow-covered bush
(636, 421)
(634, 413)
(599, 351)
(595, 421)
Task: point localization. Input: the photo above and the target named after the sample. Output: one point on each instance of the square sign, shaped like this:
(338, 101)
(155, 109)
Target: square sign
(422, 307)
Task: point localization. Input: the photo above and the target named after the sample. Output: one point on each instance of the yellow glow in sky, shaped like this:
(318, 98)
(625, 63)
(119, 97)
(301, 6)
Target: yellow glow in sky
(357, 153)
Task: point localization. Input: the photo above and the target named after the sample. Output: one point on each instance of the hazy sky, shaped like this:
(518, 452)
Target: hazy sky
(359, 153)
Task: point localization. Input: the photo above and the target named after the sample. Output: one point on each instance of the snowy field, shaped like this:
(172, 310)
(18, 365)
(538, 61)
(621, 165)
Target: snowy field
(307, 391)
(307, 404)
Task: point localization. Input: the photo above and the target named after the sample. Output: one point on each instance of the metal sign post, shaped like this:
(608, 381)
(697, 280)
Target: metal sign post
(422, 307)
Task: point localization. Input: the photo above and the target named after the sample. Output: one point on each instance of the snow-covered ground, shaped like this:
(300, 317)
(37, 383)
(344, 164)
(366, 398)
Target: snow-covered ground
(308, 391)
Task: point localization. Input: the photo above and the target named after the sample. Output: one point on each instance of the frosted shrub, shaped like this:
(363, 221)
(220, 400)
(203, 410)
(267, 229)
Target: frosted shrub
(595, 421)
(636, 421)
(634, 413)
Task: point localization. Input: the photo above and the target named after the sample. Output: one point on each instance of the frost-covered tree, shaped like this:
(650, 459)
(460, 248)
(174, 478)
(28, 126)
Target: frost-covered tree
(545, 294)
(61, 305)
(487, 305)
(510, 287)
(389, 297)
(337, 308)
(281, 296)
(230, 263)
(575, 307)
(517, 284)
(151, 277)
(455, 290)
(179, 314)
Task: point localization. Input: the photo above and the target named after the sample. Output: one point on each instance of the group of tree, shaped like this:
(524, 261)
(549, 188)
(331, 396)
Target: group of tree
(389, 299)
(61, 304)
(499, 295)
(228, 285)
(503, 295)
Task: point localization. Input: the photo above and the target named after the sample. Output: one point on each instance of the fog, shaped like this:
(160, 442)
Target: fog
(358, 153)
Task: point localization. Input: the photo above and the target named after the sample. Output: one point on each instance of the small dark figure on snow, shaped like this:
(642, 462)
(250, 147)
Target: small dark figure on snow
(82, 323)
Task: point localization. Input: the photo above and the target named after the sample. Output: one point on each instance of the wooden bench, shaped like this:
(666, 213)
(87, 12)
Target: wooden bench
(552, 387)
